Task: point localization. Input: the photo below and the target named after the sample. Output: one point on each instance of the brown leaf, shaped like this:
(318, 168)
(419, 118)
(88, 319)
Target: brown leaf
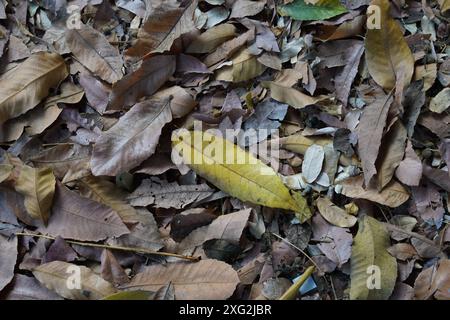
(111, 270)
(30, 84)
(393, 195)
(409, 170)
(207, 279)
(88, 220)
(212, 38)
(132, 139)
(165, 24)
(93, 50)
(245, 8)
(145, 81)
(434, 281)
(335, 215)
(28, 288)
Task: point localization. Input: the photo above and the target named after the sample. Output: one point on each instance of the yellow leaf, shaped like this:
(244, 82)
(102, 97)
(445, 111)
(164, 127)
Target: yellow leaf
(335, 215)
(30, 83)
(245, 67)
(373, 269)
(212, 38)
(388, 56)
(236, 171)
(5, 171)
(445, 5)
(37, 185)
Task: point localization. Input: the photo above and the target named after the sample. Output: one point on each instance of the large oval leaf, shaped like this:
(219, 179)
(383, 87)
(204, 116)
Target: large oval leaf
(320, 10)
(236, 171)
(30, 83)
(388, 56)
(370, 259)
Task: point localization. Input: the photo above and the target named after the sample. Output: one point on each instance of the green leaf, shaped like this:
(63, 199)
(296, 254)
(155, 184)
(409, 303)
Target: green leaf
(369, 253)
(323, 9)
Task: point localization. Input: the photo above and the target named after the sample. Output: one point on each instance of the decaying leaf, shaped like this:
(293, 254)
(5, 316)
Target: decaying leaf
(37, 185)
(242, 177)
(335, 215)
(8, 258)
(434, 281)
(388, 56)
(30, 84)
(55, 276)
(370, 256)
(207, 279)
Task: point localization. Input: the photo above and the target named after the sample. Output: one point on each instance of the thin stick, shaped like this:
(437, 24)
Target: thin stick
(392, 227)
(294, 246)
(291, 293)
(104, 246)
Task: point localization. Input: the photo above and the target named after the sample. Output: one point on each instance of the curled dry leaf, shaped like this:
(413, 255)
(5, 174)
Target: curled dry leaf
(388, 56)
(88, 219)
(30, 84)
(393, 195)
(335, 215)
(204, 280)
(370, 251)
(37, 185)
(93, 50)
(132, 139)
(245, 178)
(55, 276)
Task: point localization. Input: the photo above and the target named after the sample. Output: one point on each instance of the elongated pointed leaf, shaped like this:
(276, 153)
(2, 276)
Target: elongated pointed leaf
(237, 173)
(30, 83)
(57, 275)
(320, 10)
(370, 259)
(207, 279)
(37, 185)
(131, 140)
(388, 56)
(93, 50)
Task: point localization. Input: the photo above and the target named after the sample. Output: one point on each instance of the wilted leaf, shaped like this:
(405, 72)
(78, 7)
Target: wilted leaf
(28, 288)
(409, 171)
(393, 195)
(370, 253)
(55, 276)
(312, 163)
(245, 67)
(132, 139)
(88, 219)
(212, 38)
(8, 257)
(37, 185)
(242, 178)
(441, 101)
(145, 81)
(163, 194)
(388, 56)
(111, 270)
(93, 50)
(5, 171)
(207, 279)
(335, 215)
(30, 84)
(245, 8)
(434, 281)
(317, 10)
(165, 24)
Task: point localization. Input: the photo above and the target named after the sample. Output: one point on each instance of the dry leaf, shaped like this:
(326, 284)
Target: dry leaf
(335, 215)
(441, 101)
(434, 281)
(8, 257)
(212, 38)
(55, 276)
(204, 280)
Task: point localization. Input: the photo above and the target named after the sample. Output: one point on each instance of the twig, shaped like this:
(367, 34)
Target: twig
(104, 246)
(392, 227)
(291, 293)
(294, 246)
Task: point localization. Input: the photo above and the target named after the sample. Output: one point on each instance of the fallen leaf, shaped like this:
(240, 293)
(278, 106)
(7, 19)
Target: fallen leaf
(93, 50)
(245, 8)
(433, 281)
(212, 38)
(31, 83)
(88, 220)
(28, 288)
(312, 163)
(335, 215)
(111, 270)
(8, 257)
(55, 276)
(207, 279)
(243, 179)
(409, 170)
(369, 254)
(393, 195)
(37, 185)
(388, 56)
(245, 67)
(441, 101)
(132, 139)
(319, 10)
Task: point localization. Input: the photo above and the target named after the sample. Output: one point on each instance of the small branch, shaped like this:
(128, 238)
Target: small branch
(392, 227)
(291, 293)
(111, 247)
(294, 246)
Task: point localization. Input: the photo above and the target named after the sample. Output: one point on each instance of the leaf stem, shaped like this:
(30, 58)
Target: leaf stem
(291, 293)
(112, 247)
